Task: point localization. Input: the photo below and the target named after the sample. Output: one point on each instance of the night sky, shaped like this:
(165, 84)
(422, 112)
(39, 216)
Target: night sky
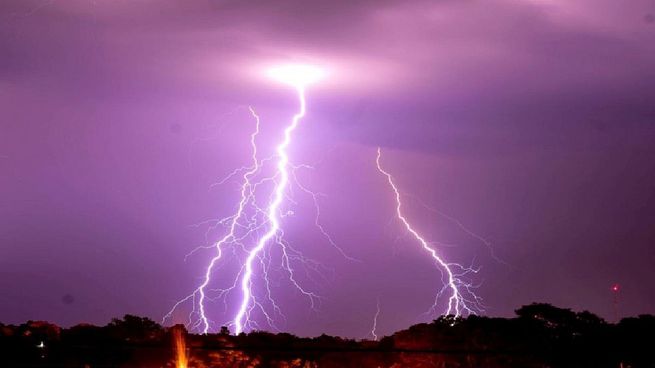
(531, 122)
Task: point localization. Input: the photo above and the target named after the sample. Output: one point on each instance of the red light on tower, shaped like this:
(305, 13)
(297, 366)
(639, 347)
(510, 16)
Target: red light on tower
(615, 292)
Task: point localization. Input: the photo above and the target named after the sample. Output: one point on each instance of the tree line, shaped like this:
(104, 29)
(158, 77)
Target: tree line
(541, 335)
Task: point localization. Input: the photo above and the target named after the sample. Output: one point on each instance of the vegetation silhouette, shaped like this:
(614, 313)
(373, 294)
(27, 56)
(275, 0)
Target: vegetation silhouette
(540, 335)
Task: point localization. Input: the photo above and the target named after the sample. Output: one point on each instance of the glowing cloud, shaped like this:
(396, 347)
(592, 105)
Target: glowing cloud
(296, 75)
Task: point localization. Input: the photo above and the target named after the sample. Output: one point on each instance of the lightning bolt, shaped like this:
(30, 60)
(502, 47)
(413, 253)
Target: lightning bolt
(254, 235)
(259, 225)
(230, 237)
(375, 321)
(242, 316)
(462, 299)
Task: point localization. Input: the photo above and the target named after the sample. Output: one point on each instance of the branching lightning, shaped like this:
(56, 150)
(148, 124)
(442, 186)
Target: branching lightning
(253, 226)
(229, 237)
(245, 187)
(242, 316)
(254, 256)
(461, 299)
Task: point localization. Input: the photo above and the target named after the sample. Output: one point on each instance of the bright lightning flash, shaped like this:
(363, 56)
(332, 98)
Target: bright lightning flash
(297, 75)
(250, 218)
(273, 209)
(254, 227)
(462, 299)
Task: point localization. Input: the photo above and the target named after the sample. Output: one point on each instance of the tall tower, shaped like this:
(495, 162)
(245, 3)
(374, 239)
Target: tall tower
(615, 302)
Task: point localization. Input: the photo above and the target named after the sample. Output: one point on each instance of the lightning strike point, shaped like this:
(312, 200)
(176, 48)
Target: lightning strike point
(375, 321)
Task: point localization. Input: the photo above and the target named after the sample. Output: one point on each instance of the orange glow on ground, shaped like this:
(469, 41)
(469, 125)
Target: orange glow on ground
(181, 359)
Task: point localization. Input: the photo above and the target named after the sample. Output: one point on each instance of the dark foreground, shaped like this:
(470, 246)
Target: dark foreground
(540, 336)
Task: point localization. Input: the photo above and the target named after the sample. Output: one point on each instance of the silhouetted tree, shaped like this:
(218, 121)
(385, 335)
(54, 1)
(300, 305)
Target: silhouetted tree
(134, 328)
(635, 340)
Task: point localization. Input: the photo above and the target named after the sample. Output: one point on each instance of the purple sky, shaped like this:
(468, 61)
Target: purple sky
(530, 121)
